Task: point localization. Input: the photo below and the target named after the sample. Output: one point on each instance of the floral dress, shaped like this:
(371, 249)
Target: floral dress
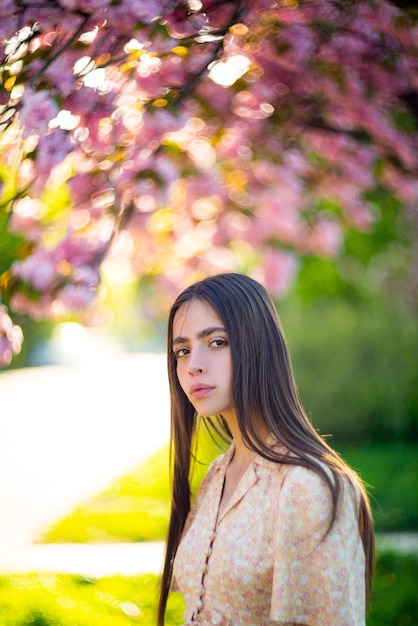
(264, 560)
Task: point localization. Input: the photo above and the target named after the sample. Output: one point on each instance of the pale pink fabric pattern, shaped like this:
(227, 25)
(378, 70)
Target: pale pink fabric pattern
(263, 562)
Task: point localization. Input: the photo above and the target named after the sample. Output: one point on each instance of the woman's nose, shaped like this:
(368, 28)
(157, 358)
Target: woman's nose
(196, 365)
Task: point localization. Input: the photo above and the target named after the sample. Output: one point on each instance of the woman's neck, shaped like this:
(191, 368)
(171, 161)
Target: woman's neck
(243, 454)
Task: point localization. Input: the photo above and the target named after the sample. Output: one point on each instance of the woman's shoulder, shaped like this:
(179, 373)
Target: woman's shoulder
(307, 479)
(308, 470)
(307, 494)
(287, 464)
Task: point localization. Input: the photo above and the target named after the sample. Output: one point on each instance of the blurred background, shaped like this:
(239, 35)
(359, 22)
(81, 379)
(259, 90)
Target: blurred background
(144, 146)
(84, 423)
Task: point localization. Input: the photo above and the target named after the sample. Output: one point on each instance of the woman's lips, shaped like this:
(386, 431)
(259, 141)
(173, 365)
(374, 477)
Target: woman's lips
(200, 390)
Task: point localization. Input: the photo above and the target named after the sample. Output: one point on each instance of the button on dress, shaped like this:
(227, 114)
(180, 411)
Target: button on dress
(264, 560)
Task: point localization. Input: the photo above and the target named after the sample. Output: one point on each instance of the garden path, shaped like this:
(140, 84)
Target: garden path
(66, 432)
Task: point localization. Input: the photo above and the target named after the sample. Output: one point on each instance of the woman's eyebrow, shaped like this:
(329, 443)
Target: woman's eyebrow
(205, 332)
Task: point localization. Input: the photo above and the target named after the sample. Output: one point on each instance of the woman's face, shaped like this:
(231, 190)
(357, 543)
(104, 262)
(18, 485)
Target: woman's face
(204, 364)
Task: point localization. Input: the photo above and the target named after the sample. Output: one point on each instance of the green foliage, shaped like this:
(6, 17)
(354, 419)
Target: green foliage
(46, 599)
(355, 366)
(395, 599)
(374, 261)
(10, 245)
(36, 333)
(390, 471)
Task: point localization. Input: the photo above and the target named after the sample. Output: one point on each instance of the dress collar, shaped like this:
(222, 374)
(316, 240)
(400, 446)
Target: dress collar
(225, 459)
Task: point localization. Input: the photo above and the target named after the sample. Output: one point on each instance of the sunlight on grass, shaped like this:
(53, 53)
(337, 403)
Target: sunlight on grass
(48, 600)
(135, 507)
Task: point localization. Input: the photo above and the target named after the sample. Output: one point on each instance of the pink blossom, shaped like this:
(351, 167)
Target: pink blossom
(254, 230)
(219, 97)
(182, 23)
(7, 11)
(11, 338)
(324, 238)
(276, 271)
(159, 124)
(93, 136)
(83, 101)
(27, 173)
(404, 187)
(50, 18)
(360, 214)
(21, 303)
(146, 180)
(233, 142)
(38, 109)
(319, 120)
(85, 6)
(173, 71)
(301, 45)
(297, 163)
(39, 308)
(38, 269)
(285, 223)
(247, 104)
(128, 13)
(77, 251)
(25, 219)
(86, 276)
(60, 73)
(76, 297)
(147, 11)
(51, 150)
(82, 187)
(200, 187)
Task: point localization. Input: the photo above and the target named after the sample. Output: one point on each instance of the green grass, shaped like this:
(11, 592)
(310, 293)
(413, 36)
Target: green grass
(391, 472)
(136, 507)
(47, 599)
(395, 599)
(62, 600)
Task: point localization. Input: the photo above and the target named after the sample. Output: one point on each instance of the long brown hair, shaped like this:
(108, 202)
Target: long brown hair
(263, 385)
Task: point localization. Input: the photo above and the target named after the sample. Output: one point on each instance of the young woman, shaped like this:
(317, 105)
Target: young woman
(280, 531)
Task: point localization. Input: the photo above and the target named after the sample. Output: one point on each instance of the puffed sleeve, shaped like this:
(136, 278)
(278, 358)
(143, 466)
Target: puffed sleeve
(317, 581)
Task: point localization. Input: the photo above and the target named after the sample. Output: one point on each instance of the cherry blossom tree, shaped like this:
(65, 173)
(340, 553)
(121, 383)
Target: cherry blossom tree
(192, 137)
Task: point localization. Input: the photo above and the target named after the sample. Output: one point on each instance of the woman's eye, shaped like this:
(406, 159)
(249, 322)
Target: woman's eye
(218, 343)
(181, 352)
